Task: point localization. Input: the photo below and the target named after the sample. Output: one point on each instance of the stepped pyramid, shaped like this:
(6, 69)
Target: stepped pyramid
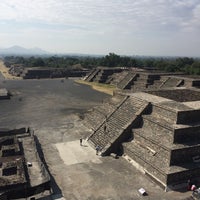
(142, 81)
(166, 145)
(155, 123)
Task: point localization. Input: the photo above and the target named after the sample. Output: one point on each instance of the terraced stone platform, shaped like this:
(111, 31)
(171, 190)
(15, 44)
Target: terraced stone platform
(164, 130)
(22, 172)
(146, 80)
(167, 141)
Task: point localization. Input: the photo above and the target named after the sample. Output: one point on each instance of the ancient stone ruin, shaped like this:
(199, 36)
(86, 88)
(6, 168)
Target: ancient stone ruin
(102, 75)
(137, 79)
(153, 120)
(42, 72)
(22, 171)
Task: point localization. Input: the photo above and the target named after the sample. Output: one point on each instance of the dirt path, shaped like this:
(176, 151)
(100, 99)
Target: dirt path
(5, 73)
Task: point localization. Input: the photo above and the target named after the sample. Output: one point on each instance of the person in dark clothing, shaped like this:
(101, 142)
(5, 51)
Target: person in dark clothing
(97, 149)
(81, 141)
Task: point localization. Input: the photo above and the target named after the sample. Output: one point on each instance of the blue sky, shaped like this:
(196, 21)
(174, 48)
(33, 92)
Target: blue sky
(125, 27)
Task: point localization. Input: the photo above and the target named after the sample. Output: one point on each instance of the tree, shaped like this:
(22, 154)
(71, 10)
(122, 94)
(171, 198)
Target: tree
(112, 60)
(38, 62)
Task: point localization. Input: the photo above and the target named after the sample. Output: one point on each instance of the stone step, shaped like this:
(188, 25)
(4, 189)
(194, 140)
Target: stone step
(121, 121)
(89, 75)
(115, 124)
(99, 114)
(170, 82)
(118, 77)
(124, 83)
(93, 119)
(92, 75)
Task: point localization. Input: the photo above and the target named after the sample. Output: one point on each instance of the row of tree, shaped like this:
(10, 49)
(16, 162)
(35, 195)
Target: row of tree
(168, 64)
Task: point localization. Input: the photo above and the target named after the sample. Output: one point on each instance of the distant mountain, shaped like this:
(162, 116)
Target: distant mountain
(17, 50)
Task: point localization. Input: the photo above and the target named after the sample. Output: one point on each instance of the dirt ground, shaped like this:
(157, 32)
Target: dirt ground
(108, 89)
(54, 109)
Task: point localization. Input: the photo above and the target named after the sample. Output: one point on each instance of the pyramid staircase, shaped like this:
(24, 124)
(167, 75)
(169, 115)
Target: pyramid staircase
(118, 77)
(172, 82)
(117, 126)
(92, 75)
(127, 81)
(98, 114)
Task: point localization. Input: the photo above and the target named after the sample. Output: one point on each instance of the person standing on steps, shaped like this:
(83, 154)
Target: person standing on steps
(97, 149)
(81, 141)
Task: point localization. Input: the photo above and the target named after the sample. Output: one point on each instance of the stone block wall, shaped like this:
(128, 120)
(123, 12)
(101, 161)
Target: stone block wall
(155, 131)
(183, 175)
(184, 155)
(187, 134)
(188, 117)
(196, 83)
(148, 167)
(171, 82)
(161, 153)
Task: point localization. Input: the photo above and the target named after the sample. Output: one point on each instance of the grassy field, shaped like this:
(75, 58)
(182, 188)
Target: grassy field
(106, 88)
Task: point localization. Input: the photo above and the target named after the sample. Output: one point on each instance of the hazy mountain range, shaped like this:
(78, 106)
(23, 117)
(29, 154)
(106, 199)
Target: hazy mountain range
(21, 51)
(17, 50)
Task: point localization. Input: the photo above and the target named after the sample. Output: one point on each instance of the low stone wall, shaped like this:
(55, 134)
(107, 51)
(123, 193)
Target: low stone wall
(179, 95)
(6, 132)
(188, 117)
(26, 185)
(24, 192)
(184, 155)
(196, 83)
(52, 73)
(187, 134)
(183, 176)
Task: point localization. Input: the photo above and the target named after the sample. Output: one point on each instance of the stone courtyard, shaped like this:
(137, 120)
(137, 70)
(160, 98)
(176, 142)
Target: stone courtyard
(54, 109)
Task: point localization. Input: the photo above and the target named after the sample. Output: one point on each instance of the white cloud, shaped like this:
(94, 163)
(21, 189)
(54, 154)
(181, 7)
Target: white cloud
(105, 20)
(100, 13)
